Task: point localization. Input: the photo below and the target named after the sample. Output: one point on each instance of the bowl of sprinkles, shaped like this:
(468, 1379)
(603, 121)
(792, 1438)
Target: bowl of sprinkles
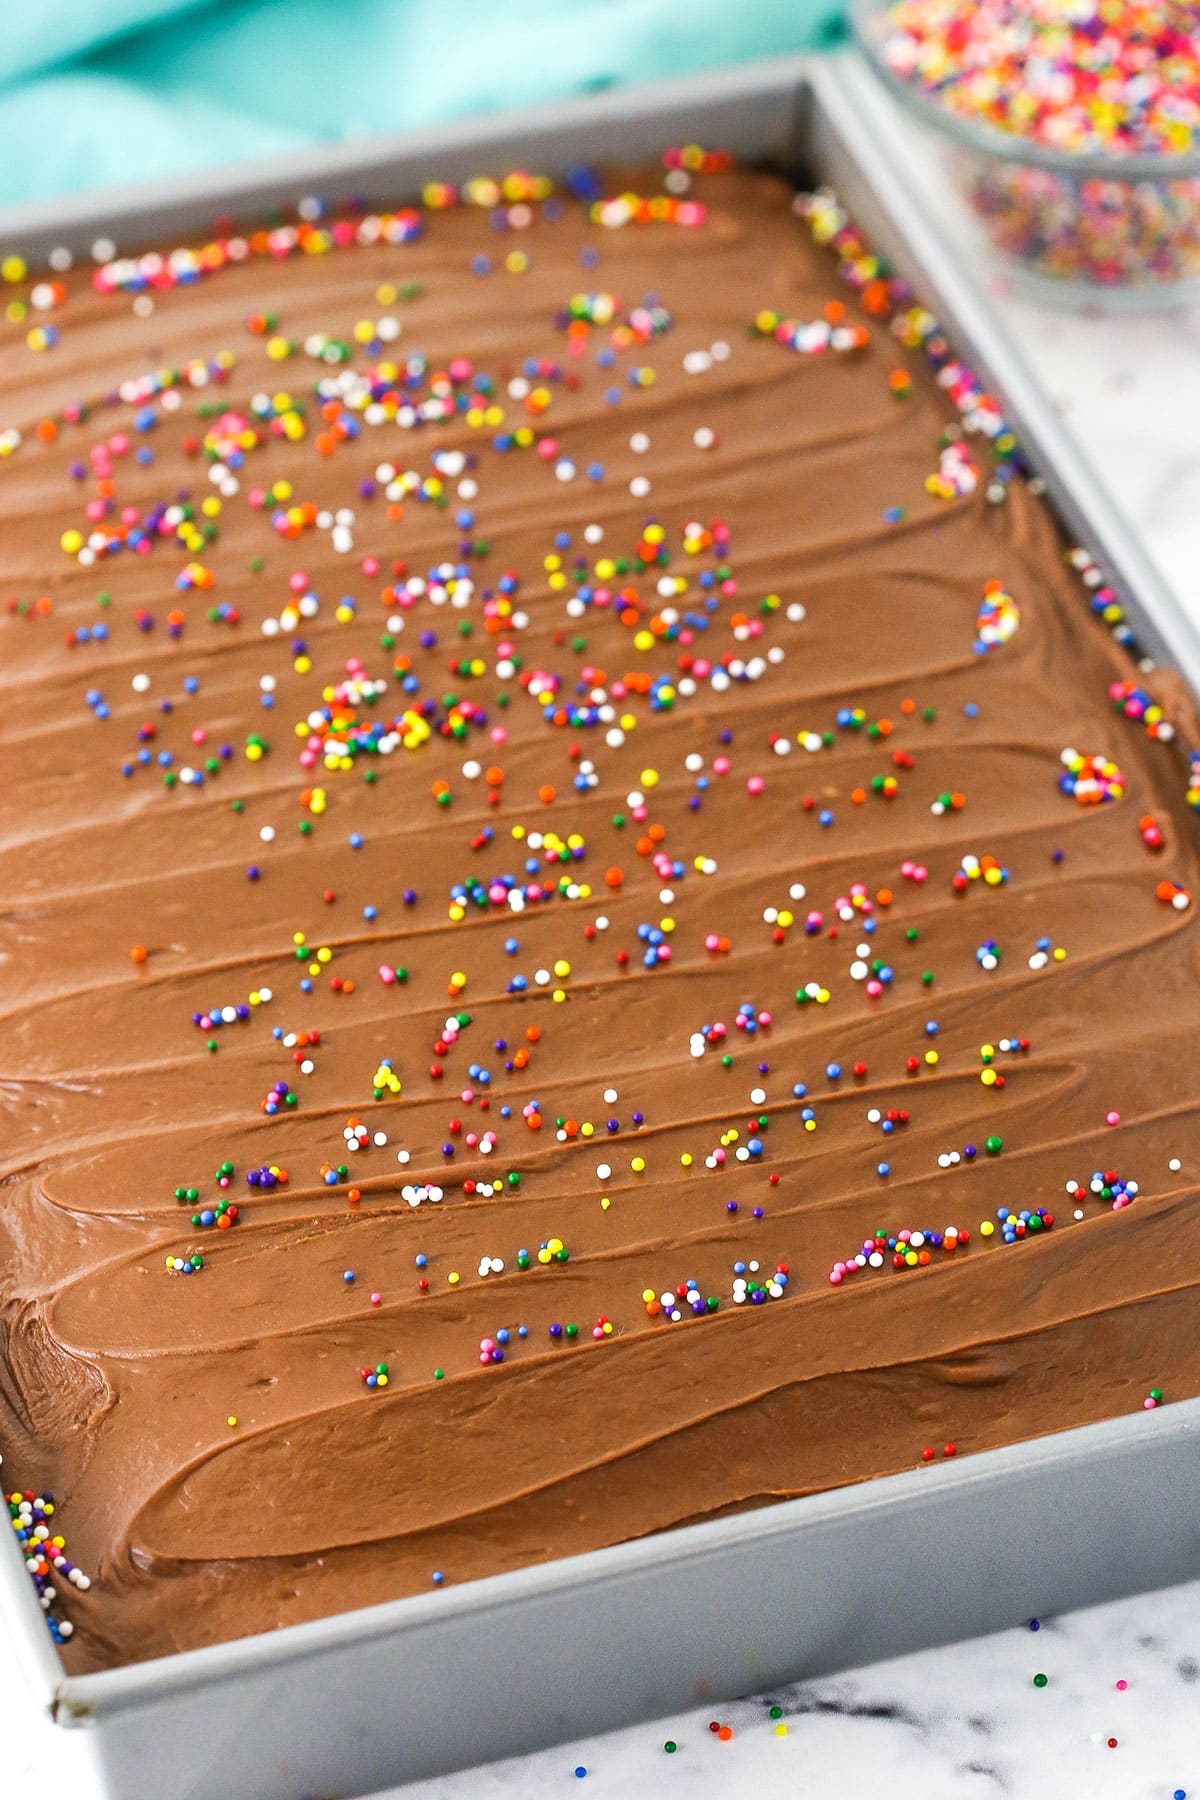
(1074, 127)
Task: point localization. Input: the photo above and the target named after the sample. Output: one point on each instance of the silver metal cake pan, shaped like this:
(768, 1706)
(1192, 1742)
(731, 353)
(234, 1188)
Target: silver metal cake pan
(393, 1692)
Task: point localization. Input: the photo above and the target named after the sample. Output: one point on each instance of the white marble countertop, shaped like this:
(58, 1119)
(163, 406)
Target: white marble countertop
(965, 1722)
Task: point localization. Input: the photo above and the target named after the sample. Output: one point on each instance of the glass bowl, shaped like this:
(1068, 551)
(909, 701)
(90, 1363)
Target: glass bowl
(1084, 223)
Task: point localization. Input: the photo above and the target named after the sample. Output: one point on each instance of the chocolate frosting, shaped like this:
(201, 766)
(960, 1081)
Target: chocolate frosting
(843, 583)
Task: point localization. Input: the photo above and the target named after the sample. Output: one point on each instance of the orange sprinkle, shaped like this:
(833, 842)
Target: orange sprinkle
(138, 953)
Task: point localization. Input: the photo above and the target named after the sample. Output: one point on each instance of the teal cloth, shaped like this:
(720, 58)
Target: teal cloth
(154, 88)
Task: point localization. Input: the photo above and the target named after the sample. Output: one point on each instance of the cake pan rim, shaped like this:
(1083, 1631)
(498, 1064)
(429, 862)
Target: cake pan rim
(134, 1685)
(827, 87)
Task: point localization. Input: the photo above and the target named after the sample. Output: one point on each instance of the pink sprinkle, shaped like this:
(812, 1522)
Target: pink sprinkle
(387, 974)
(755, 785)
(1112, 1118)
(376, 1299)
(1121, 1686)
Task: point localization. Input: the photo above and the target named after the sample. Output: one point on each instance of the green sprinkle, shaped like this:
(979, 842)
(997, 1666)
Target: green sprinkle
(1040, 1680)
